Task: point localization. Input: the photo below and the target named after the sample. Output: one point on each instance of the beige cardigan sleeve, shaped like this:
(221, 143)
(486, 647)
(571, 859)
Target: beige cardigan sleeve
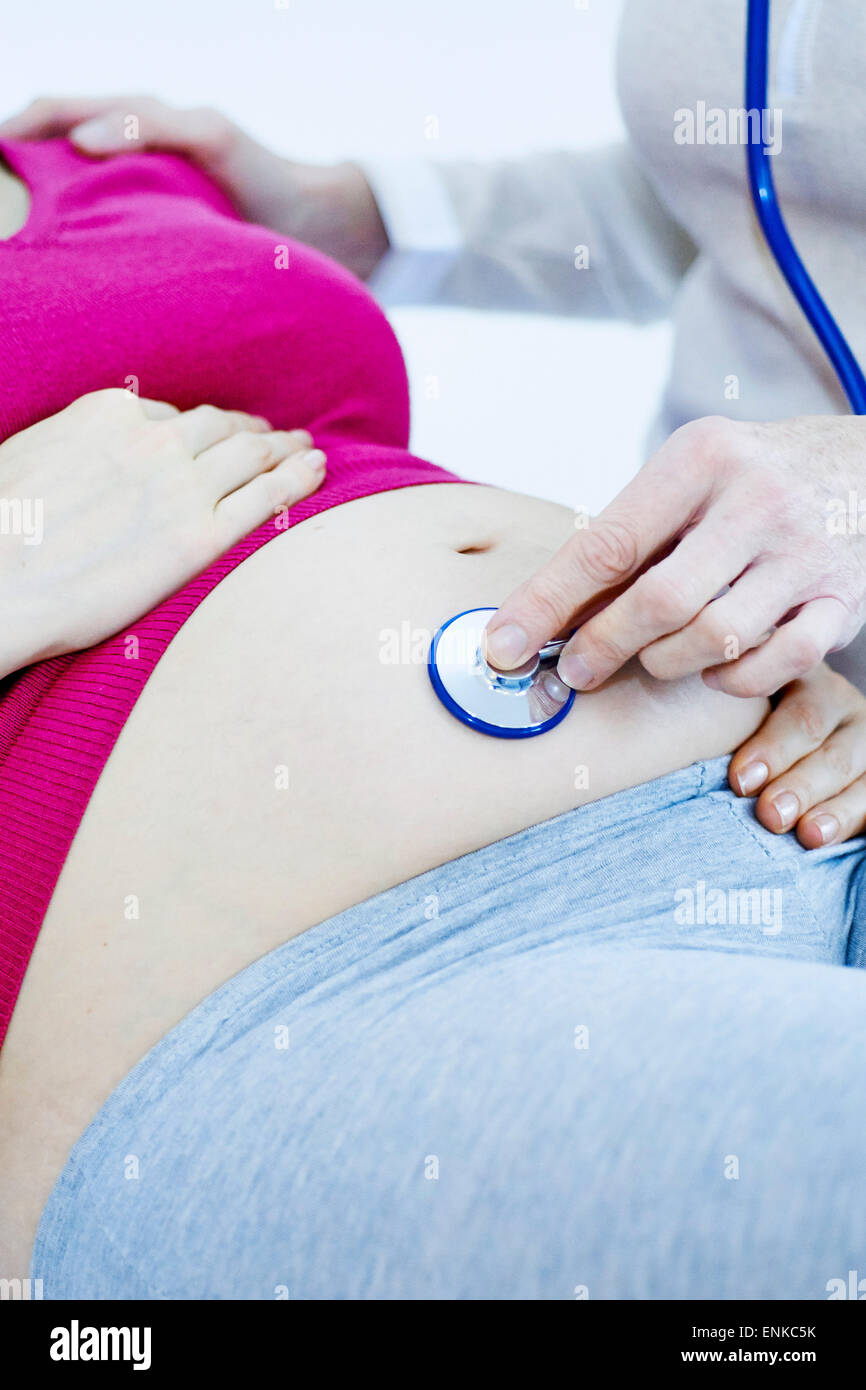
(579, 232)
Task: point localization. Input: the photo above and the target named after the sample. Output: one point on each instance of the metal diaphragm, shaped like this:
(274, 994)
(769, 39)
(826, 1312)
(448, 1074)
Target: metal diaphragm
(507, 704)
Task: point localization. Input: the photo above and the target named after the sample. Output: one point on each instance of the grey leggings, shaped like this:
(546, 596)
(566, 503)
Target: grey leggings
(619, 1055)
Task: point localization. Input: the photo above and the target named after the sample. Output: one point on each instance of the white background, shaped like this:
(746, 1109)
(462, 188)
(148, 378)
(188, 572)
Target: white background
(554, 407)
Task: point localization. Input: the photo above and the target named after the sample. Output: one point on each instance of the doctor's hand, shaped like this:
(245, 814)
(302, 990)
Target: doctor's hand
(331, 207)
(807, 762)
(771, 510)
(119, 501)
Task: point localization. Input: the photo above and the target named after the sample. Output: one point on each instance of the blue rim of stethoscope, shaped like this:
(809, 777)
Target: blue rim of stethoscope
(772, 223)
(472, 719)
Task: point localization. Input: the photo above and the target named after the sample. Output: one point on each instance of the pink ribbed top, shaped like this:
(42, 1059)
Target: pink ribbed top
(137, 272)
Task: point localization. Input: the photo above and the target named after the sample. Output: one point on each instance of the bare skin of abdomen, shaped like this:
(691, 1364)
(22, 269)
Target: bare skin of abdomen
(281, 766)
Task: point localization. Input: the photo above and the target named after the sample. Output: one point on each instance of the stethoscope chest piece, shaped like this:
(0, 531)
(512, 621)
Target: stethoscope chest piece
(507, 704)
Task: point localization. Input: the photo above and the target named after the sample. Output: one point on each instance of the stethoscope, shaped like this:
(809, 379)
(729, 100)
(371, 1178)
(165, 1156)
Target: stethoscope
(532, 700)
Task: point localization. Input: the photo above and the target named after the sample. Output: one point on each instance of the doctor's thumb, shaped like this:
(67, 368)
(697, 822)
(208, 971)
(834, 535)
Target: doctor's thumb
(507, 645)
(528, 618)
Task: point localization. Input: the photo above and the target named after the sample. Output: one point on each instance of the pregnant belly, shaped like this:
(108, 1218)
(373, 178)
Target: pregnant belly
(287, 759)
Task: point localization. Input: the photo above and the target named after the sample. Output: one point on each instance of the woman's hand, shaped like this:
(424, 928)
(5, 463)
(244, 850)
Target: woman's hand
(809, 756)
(740, 550)
(113, 503)
(331, 207)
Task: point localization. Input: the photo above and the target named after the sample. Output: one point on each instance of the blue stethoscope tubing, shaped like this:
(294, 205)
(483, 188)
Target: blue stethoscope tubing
(772, 223)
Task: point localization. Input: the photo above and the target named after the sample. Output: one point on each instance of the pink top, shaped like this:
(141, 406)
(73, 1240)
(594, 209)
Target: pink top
(137, 272)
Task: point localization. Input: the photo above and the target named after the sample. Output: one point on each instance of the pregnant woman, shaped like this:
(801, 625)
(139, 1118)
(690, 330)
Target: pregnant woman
(327, 995)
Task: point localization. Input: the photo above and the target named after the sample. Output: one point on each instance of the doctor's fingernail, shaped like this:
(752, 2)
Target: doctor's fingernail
(506, 645)
(554, 687)
(753, 776)
(827, 825)
(575, 671)
(787, 808)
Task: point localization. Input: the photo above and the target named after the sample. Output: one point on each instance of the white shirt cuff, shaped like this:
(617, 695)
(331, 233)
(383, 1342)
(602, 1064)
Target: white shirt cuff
(422, 228)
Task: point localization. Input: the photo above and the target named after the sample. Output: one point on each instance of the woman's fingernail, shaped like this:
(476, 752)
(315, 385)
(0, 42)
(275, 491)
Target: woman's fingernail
(753, 776)
(828, 826)
(575, 671)
(94, 135)
(315, 459)
(787, 808)
(506, 645)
